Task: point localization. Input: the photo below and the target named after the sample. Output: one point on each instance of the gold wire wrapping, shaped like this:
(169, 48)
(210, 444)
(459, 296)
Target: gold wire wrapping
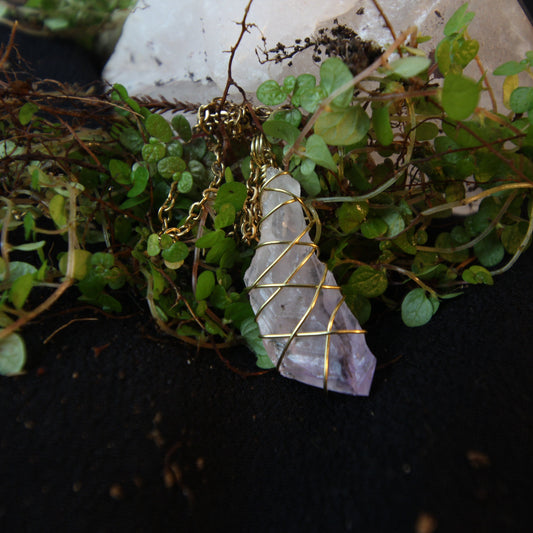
(311, 221)
(234, 121)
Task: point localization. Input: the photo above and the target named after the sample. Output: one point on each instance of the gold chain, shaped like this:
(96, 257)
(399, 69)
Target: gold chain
(261, 157)
(235, 120)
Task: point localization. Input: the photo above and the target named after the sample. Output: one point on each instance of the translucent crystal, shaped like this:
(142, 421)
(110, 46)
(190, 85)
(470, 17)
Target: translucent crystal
(298, 305)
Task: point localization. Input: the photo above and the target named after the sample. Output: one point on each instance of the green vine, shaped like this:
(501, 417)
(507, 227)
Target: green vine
(384, 156)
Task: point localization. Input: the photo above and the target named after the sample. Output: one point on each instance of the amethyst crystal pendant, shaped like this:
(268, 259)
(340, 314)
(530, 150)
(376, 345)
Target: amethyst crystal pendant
(307, 329)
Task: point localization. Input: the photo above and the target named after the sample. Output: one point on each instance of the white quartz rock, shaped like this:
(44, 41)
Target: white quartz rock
(178, 49)
(292, 292)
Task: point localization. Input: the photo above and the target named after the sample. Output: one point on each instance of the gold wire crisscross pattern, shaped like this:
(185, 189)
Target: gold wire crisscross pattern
(290, 336)
(215, 119)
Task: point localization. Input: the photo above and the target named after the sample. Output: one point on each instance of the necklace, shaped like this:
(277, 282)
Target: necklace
(308, 330)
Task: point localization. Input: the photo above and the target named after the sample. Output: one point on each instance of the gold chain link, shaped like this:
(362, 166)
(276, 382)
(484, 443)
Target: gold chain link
(261, 157)
(236, 121)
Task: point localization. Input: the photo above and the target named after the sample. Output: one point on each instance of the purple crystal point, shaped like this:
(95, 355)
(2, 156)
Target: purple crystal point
(299, 307)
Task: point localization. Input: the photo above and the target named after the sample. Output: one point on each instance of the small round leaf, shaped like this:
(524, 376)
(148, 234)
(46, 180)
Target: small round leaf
(12, 354)
(417, 308)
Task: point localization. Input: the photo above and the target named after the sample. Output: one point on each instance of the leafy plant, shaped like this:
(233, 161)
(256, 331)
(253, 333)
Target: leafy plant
(95, 198)
(82, 20)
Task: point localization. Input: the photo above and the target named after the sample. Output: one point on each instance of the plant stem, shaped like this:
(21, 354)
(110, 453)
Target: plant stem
(523, 245)
(475, 198)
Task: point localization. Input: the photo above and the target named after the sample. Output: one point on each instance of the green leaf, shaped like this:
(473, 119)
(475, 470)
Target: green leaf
(132, 202)
(395, 222)
(20, 290)
(426, 131)
(359, 305)
(250, 332)
(29, 246)
(152, 245)
(443, 55)
(168, 166)
(120, 171)
(464, 51)
(509, 85)
(292, 116)
(12, 354)
(103, 260)
(334, 73)
(182, 127)
(280, 129)
(477, 274)
(444, 240)
(458, 22)
(139, 178)
(132, 140)
(26, 112)
(513, 236)
(317, 150)
(270, 93)
(225, 216)
(310, 99)
(490, 250)
(305, 83)
(58, 210)
(350, 215)
(382, 125)
(407, 67)
(56, 23)
(308, 166)
(29, 225)
(209, 239)
(374, 227)
(341, 128)
(81, 263)
(460, 96)
(233, 193)
(153, 152)
(185, 183)
(175, 148)
(176, 253)
(289, 83)
(222, 251)
(238, 312)
(406, 242)
(367, 281)
(205, 285)
(16, 269)
(416, 309)
(159, 128)
(310, 181)
(521, 99)
(511, 68)
(197, 171)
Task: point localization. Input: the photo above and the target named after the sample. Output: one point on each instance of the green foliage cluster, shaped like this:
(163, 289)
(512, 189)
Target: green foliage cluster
(82, 20)
(403, 156)
(383, 159)
(105, 220)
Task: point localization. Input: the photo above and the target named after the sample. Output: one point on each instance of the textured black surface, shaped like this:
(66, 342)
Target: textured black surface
(446, 430)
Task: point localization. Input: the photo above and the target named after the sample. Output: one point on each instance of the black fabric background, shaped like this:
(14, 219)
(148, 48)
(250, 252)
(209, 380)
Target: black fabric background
(446, 431)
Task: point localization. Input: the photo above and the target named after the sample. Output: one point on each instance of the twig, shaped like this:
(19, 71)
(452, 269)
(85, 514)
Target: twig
(475, 198)
(230, 81)
(54, 333)
(69, 278)
(9, 45)
(385, 18)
